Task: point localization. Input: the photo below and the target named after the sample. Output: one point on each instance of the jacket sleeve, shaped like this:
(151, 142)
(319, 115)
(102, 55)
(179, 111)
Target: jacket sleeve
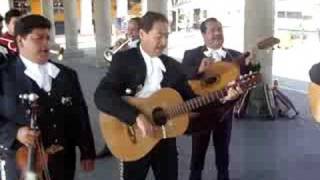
(108, 94)
(8, 128)
(314, 73)
(84, 138)
(190, 65)
(8, 133)
(183, 87)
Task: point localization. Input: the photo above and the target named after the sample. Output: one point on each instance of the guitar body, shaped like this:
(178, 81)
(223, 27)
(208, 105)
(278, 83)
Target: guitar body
(314, 101)
(223, 72)
(126, 142)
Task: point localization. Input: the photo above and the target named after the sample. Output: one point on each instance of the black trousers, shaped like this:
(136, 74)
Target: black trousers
(11, 171)
(221, 135)
(163, 159)
(62, 165)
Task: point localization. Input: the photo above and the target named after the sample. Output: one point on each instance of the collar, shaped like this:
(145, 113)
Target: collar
(152, 61)
(210, 52)
(8, 36)
(133, 43)
(52, 69)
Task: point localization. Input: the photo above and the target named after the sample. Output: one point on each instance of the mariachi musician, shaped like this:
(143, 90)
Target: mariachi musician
(63, 117)
(195, 62)
(150, 70)
(7, 39)
(131, 41)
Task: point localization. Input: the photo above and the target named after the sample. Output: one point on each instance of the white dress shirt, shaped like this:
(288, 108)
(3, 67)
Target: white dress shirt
(217, 54)
(154, 75)
(42, 74)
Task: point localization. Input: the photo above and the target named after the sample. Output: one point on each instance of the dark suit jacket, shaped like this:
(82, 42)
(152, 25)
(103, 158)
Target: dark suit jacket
(126, 76)
(191, 62)
(64, 123)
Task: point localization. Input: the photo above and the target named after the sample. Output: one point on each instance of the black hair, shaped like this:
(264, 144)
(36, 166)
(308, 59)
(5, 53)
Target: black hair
(26, 24)
(203, 26)
(10, 14)
(150, 18)
(136, 20)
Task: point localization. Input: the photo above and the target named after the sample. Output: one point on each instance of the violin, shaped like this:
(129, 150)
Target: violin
(32, 163)
(32, 160)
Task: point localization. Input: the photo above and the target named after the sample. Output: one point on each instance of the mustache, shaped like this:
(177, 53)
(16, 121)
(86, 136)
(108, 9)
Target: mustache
(217, 42)
(161, 47)
(44, 51)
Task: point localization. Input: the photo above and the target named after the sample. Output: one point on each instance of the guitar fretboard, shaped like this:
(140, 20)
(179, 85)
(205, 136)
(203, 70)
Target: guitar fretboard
(195, 103)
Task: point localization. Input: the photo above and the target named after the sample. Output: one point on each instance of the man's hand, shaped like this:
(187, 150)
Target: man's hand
(232, 94)
(205, 63)
(145, 126)
(87, 165)
(27, 136)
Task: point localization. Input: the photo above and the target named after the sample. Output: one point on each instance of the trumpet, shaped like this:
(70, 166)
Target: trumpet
(59, 53)
(119, 46)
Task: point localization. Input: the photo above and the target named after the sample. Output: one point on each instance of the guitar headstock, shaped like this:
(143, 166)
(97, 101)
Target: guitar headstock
(248, 81)
(267, 42)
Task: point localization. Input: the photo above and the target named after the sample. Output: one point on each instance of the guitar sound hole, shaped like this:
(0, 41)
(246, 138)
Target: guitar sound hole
(159, 116)
(210, 80)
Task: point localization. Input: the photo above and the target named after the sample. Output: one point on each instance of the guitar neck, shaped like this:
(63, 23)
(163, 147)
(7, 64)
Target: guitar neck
(261, 45)
(195, 103)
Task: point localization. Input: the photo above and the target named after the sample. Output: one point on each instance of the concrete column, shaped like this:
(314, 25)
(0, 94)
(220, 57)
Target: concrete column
(70, 27)
(103, 23)
(155, 5)
(121, 16)
(259, 23)
(10, 3)
(86, 27)
(47, 11)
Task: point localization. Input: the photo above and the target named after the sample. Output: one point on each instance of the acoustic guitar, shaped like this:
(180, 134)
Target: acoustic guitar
(166, 109)
(314, 101)
(218, 74)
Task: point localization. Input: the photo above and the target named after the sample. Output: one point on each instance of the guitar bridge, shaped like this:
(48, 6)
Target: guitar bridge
(164, 132)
